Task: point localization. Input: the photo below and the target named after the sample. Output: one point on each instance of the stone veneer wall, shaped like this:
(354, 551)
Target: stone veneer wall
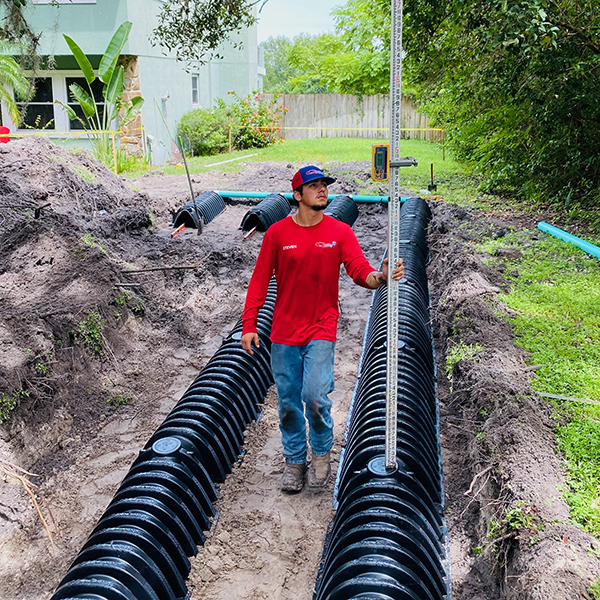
(132, 136)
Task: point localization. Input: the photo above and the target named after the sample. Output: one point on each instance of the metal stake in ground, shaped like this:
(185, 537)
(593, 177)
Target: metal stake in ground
(393, 237)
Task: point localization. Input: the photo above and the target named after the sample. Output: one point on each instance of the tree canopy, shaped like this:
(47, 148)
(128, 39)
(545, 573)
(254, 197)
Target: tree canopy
(15, 30)
(355, 60)
(278, 70)
(194, 29)
(516, 84)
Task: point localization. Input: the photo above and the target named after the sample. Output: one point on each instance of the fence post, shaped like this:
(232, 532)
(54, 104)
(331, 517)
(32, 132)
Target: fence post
(444, 144)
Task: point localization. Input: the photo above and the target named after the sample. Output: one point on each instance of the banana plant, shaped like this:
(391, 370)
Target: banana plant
(96, 121)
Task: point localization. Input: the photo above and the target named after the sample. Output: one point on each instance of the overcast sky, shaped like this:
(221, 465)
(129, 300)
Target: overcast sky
(292, 17)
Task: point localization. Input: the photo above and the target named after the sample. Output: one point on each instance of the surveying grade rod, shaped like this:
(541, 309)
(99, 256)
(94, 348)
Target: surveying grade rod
(391, 391)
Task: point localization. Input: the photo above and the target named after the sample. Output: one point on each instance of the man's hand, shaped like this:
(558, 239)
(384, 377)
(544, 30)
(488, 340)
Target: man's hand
(377, 279)
(397, 273)
(247, 340)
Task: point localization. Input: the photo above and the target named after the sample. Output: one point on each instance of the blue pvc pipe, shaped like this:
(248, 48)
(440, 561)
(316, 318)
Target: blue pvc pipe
(567, 237)
(290, 196)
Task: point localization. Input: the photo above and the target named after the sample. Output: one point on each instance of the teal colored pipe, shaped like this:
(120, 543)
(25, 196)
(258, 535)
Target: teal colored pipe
(567, 237)
(290, 196)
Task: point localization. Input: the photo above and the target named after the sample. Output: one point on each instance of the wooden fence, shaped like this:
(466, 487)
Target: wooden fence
(342, 115)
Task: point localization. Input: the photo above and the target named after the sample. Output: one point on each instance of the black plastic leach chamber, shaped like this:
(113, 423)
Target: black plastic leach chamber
(388, 539)
(140, 547)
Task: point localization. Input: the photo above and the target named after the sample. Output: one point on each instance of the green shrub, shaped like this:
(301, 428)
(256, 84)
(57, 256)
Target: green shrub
(254, 123)
(205, 130)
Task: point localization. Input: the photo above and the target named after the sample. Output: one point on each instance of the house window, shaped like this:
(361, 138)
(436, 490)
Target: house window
(97, 85)
(44, 110)
(39, 111)
(195, 100)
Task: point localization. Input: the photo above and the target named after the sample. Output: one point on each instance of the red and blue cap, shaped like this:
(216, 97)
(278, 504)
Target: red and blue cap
(309, 173)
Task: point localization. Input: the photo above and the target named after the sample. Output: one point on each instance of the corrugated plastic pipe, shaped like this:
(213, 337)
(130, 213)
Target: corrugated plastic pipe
(568, 237)
(388, 539)
(205, 206)
(267, 212)
(290, 196)
(140, 547)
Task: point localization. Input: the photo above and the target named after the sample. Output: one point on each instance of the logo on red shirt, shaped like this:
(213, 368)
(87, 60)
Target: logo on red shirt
(325, 244)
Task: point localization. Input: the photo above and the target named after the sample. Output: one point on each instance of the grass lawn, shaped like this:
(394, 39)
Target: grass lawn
(450, 176)
(555, 295)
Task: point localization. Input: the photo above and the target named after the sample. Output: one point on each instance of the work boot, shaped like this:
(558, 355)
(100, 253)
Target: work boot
(293, 477)
(319, 472)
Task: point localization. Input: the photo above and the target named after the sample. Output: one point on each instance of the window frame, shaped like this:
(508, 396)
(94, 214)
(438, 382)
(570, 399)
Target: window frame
(196, 103)
(60, 93)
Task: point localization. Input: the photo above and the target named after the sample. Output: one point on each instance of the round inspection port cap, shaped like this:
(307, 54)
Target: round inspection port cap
(377, 467)
(166, 445)
(236, 336)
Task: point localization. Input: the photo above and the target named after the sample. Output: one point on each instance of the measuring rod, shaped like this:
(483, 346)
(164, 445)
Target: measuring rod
(391, 392)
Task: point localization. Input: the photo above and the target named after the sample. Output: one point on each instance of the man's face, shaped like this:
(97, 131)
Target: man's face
(313, 195)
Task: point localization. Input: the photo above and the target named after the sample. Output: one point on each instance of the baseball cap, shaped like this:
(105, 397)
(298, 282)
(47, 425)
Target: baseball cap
(309, 173)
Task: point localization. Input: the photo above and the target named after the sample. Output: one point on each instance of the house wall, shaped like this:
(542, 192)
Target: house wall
(164, 84)
(90, 24)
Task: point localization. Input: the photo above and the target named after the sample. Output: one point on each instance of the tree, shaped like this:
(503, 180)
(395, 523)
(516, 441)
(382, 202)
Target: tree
(194, 29)
(15, 29)
(278, 70)
(364, 28)
(353, 61)
(516, 84)
(310, 57)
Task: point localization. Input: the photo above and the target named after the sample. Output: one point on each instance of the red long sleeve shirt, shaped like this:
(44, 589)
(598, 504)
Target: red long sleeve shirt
(306, 263)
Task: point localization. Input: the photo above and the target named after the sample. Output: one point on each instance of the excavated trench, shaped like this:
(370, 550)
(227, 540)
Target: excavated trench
(87, 415)
(388, 536)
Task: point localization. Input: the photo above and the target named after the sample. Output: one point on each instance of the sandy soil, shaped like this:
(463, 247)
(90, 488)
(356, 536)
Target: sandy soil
(86, 413)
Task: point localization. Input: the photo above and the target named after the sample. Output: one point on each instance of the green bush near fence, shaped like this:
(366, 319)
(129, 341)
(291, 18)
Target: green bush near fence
(205, 131)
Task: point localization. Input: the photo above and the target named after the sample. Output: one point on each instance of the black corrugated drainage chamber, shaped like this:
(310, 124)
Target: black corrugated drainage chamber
(388, 539)
(268, 211)
(343, 208)
(209, 205)
(140, 547)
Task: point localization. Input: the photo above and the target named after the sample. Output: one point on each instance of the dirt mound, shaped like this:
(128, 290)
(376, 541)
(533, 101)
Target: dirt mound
(507, 520)
(105, 320)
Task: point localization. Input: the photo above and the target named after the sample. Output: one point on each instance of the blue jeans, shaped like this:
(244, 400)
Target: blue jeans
(304, 376)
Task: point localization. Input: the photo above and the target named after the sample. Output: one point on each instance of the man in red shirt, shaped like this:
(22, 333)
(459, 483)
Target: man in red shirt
(305, 252)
